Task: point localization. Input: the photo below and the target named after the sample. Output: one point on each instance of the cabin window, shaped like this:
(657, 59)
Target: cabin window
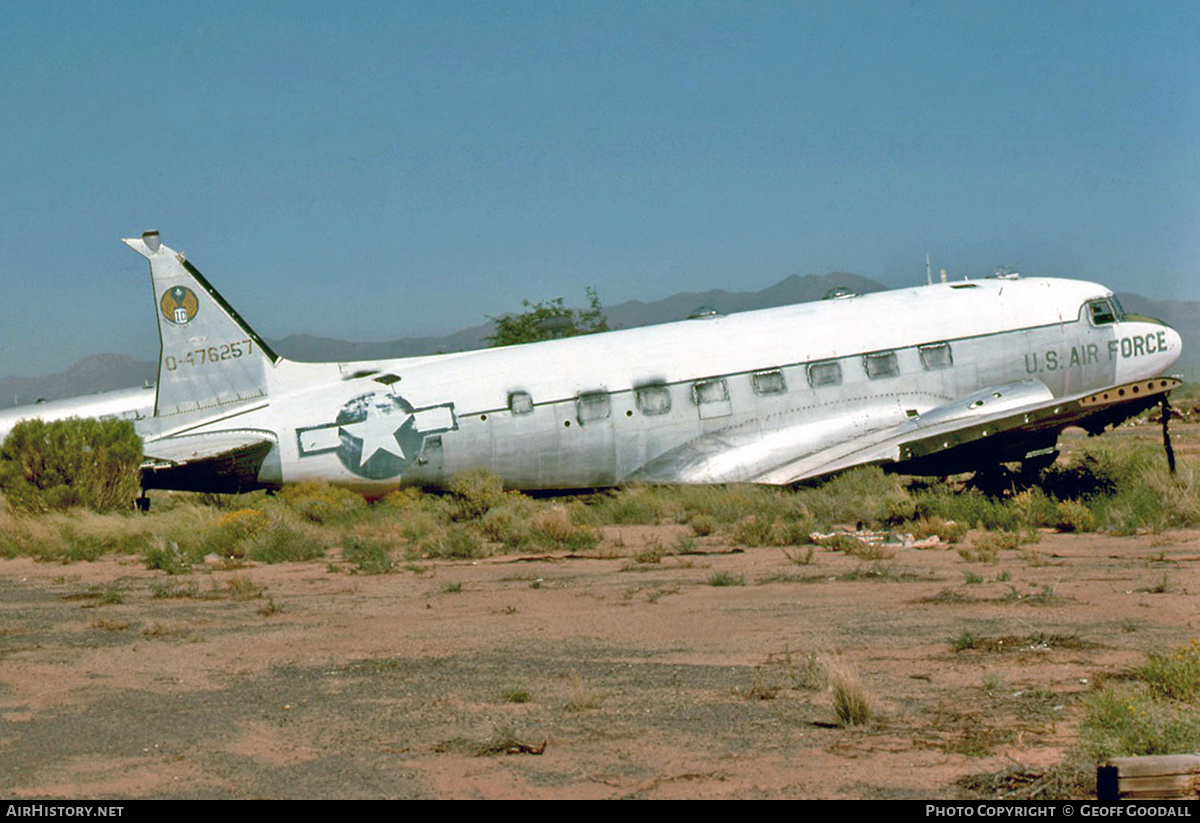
(710, 391)
(712, 398)
(520, 402)
(881, 364)
(653, 399)
(592, 406)
(936, 356)
(1101, 312)
(769, 382)
(828, 373)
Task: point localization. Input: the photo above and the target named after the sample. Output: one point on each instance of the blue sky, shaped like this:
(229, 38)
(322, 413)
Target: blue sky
(376, 170)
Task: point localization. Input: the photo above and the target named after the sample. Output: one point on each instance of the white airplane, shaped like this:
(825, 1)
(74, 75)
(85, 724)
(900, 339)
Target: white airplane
(127, 404)
(938, 379)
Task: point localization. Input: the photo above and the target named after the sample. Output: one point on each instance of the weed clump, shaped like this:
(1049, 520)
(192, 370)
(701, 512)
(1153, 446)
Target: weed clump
(949, 531)
(1124, 722)
(582, 698)
(509, 522)
(554, 528)
(1074, 516)
(852, 704)
(167, 557)
(1154, 712)
(455, 543)
(367, 556)
(284, 544)
(1175, 674)
(720, 579)
(986, 547)
(964, 641)
(516, 696)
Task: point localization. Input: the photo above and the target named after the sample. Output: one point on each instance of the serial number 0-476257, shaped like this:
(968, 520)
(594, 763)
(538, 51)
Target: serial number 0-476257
(211, 354)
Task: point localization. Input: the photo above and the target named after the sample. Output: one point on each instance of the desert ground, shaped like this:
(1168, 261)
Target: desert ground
(638, 680)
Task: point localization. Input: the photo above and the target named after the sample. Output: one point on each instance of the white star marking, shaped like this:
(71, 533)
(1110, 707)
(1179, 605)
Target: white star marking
(377, 433)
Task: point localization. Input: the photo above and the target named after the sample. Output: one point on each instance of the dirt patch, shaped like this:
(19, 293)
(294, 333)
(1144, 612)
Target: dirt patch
(574, 678)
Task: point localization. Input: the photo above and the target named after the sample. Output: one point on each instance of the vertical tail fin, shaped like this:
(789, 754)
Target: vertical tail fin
(210, 358)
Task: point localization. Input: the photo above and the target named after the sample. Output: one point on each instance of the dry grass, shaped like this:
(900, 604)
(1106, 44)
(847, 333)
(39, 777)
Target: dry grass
(581, 697)
(852, 703)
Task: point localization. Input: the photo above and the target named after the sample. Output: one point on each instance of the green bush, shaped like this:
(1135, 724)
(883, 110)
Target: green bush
(65, 464)
(1174, 674)
(368, 556)
(510, 523)
(456, 543)
(1153, 713)
(284, 544)
(321, 503)
(476, 492)
(1123, 721)
(1074, 516)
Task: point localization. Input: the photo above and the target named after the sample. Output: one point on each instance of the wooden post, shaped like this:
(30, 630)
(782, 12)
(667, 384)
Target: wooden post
(1161, 777)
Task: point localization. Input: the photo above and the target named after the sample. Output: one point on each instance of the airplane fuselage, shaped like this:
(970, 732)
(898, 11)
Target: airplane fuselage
(773, 396)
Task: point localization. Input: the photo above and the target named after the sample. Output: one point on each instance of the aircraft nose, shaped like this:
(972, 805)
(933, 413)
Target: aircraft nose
(1174, 342)
(1145, 348)
(1166, 341)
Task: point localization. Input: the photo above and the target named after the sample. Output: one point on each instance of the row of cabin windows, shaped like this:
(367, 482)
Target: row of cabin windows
(656, 399)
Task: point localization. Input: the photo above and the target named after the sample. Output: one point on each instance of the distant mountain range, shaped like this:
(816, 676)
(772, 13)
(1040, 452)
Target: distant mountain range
(103, 372)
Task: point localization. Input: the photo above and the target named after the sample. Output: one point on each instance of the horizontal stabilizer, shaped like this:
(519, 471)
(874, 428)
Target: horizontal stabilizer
(228, 461)
(184, 449)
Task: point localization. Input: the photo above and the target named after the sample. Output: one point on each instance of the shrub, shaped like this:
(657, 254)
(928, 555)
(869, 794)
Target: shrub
(1175, 674)
(368, 556)
(167, 557)
(629, 506)
(283, 544)
(554, 528)
(1123, 722)
(1095, 474)
(1035, 508)
(703, 524)
(949, 531)
(865, 495)
(456, 543)
(1153, 714)
(1074, 516)
(510, 522)
(970, 506)
(986, 547)
(68, 463)
(476, 492)
(770, 530)
(322, 503)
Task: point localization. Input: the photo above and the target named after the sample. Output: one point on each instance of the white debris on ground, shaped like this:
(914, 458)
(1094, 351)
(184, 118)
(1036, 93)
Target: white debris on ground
(874, 538)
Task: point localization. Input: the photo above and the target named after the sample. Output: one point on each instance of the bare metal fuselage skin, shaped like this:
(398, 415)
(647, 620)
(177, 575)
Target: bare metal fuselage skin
(946, 377)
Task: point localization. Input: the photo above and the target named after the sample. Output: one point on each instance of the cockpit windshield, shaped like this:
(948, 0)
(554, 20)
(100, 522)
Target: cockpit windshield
(1102, 312)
